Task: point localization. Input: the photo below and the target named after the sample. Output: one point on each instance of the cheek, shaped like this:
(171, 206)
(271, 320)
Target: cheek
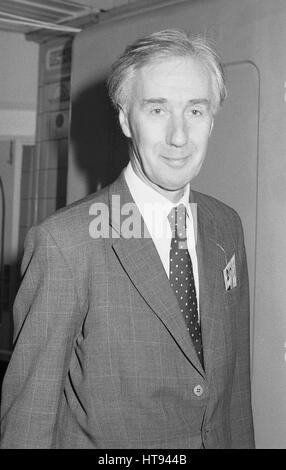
(147, 136)
(201, 136)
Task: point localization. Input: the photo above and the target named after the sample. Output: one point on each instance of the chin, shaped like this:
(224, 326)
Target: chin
(177, 185)
(173, 187)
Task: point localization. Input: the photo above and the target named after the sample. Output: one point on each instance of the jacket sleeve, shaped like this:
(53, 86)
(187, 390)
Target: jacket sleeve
(242, 434)
(46, 312)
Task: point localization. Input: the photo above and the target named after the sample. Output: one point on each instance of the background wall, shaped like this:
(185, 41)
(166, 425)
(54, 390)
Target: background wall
(18, 84)
(249, 136)
(18, 104)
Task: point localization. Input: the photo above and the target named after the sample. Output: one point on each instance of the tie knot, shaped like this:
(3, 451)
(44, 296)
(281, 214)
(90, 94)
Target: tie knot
(177, 220)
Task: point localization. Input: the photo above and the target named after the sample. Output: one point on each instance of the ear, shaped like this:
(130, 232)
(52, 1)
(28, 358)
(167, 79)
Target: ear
(124, 121)
(211, 127)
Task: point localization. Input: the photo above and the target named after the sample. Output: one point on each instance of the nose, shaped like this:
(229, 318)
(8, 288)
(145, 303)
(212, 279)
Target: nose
(177, 135)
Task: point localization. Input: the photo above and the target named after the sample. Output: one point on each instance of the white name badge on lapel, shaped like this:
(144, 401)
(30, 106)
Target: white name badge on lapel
(229, 274)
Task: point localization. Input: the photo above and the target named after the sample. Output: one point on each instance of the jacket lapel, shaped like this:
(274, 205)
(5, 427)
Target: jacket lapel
(141, 262)
(211, 261)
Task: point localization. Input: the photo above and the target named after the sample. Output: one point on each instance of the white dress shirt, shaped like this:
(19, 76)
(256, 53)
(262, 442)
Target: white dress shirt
(154, 209)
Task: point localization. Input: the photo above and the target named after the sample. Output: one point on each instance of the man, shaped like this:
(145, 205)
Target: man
(139, 338)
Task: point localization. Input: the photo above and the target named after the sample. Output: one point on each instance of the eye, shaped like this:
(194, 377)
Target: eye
(157, 111)
(196, 112)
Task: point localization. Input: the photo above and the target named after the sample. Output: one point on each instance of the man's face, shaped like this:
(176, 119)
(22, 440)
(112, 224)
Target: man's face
(169, 121)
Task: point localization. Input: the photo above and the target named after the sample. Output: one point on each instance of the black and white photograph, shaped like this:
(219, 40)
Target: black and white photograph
(143, 227)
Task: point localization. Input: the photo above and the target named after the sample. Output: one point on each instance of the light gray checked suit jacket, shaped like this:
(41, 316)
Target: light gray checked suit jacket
(102, 356)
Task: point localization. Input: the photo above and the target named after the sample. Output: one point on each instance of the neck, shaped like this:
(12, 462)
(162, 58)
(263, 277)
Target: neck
(172, 195)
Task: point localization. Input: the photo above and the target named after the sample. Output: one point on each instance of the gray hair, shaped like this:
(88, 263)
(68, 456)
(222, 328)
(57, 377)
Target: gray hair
(161, 45)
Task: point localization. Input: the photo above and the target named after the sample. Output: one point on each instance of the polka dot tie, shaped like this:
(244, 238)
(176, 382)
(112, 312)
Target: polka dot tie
(182, 278)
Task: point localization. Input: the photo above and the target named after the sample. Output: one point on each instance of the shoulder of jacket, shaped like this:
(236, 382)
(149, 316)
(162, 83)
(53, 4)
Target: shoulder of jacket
(214, 207)
(70, 224)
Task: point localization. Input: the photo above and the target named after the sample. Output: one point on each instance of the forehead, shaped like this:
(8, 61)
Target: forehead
(181, 77)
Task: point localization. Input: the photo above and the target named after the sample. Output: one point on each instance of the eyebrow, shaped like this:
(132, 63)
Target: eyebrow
(159, 100)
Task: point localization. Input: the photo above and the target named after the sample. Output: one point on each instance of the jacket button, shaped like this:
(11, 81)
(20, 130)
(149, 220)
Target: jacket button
(198, 390)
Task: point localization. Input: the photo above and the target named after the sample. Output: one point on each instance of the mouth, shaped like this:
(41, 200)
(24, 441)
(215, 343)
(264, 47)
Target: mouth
(175, 162)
